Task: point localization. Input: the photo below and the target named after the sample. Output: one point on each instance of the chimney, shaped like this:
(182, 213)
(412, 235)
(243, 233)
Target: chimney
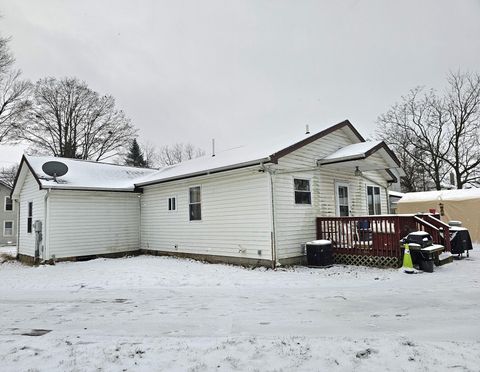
(307, 129)
(213, 147)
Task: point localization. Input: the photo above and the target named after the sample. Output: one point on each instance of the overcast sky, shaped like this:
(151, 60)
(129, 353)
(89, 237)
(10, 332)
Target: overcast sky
(239, 71)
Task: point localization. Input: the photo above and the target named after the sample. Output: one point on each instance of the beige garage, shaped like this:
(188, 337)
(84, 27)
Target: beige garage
(460, 205)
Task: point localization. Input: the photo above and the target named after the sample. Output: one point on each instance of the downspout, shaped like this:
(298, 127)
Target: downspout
(388, 198)
(140, 223)
(44, 251)
(273, 232)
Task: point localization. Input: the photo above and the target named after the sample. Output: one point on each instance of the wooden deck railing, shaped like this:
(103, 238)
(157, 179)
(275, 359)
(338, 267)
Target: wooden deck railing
(378, 235)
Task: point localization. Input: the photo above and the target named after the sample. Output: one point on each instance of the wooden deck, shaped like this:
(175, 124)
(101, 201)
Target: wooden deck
(379, 236)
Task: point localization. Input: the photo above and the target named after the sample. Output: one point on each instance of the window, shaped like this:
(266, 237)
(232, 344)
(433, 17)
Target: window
(373, 200)
(195, 205)
(303, 194)
(343, 201)
(172, 204)
(8, 204)
(7, 228)
(29, 217)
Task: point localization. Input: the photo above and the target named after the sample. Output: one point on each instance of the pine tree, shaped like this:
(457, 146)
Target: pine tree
(135, 157)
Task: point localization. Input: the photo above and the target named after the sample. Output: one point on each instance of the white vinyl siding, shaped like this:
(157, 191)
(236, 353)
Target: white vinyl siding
(30, 193)
(295, 226)
(86, 223)
(236, 216)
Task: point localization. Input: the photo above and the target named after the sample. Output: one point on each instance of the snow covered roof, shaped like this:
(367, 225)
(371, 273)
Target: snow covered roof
(85, 175)
(88, 175)
(464, 194)
(354, 151)
(358, 151)
(267, 150)
(4, 184)
(396, 194)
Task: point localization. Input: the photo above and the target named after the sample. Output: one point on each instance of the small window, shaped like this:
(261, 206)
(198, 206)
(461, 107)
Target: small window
(373, 200)
(29, 217)
(172, 204)
(195, 206)
(8, 228)
(303, 194)
(8, 203)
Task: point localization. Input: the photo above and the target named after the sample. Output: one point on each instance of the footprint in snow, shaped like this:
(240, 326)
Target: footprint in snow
(365, 353)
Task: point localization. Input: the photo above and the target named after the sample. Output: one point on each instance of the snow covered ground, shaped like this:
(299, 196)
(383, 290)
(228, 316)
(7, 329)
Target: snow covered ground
(158, 313)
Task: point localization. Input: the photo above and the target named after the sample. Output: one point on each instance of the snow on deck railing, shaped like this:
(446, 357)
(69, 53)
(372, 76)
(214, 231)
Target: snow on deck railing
(377, 235)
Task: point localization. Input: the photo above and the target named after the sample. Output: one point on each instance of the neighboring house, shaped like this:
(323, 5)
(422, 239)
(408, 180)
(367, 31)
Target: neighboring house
(248, 205)
(394, 197)
(8, 219)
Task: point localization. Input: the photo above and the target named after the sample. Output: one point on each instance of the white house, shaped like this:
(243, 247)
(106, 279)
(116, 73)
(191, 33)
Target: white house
(248, 205)
(7, 216)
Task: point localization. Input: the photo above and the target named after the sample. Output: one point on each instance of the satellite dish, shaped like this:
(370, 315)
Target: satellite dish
(55, 169)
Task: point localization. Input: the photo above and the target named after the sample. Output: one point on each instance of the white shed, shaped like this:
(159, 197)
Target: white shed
(248, 205)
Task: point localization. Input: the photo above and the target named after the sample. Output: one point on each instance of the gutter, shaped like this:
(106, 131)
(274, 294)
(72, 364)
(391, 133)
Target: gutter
(204, 173)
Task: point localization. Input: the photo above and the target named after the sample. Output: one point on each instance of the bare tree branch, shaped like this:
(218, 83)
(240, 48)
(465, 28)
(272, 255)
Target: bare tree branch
(68, 119)
(463, 105)
(8, 174)
(13, 94)
(416, 128)
(170, 155)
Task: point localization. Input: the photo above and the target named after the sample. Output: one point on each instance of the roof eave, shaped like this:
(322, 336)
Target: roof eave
(342, 159)
(346, 123)
(77, 188)
(206, 172)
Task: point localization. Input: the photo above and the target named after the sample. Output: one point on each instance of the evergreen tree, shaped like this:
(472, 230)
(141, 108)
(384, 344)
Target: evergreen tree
(135, 157)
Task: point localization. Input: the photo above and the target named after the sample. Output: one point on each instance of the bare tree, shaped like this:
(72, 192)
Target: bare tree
(69, 119)
(417, 129)
(6, 57)
(170, 155)
(13, 93)
(151, 155)
(8, 174)
(463, 106)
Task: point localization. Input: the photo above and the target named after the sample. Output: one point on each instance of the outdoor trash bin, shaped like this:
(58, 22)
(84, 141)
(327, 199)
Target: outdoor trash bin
(319, 253)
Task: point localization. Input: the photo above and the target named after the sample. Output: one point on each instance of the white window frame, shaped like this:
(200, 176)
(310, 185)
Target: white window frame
(337, 199)
(168, 203)
(201, 202)
(5, 204)
(379, 195)
(29, 217)
(4, 228)
(309, 179)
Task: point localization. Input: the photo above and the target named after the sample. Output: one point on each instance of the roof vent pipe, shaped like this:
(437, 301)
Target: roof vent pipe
(213, 147)
(307, 129)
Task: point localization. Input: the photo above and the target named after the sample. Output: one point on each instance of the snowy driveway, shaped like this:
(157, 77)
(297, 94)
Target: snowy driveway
(157, 313)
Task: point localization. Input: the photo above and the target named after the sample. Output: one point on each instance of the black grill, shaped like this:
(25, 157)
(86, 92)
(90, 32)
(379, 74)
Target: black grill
(421, 238)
